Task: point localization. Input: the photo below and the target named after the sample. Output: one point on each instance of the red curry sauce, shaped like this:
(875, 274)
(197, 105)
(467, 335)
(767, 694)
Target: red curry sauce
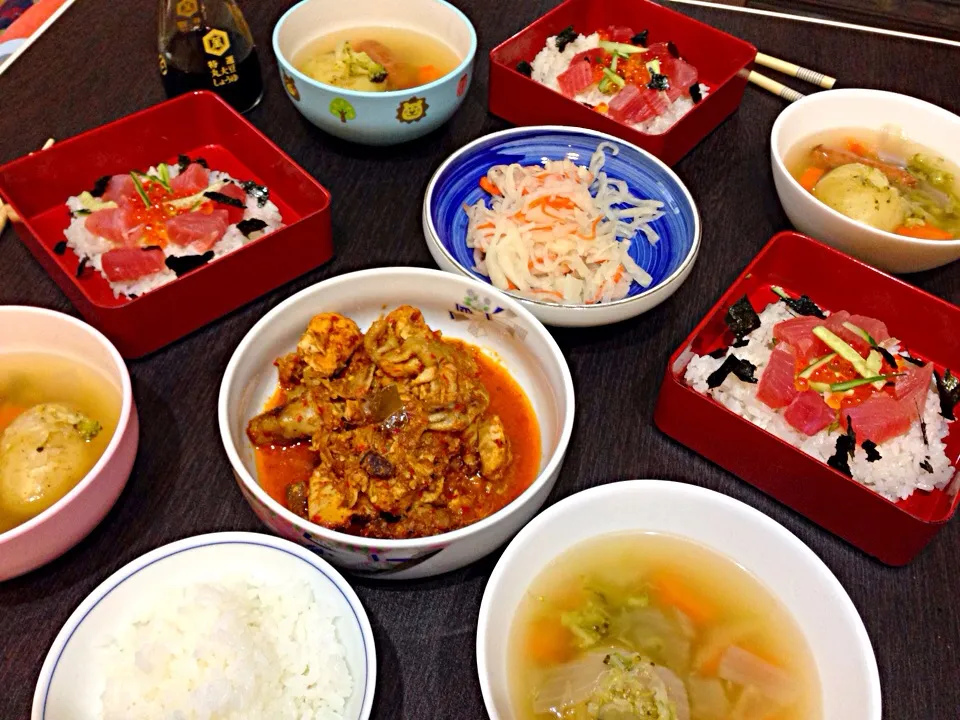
(279, 466)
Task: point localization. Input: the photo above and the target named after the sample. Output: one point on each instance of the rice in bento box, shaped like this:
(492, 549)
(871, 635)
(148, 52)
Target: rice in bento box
(141, 231)
(615, 72)
(838, 387)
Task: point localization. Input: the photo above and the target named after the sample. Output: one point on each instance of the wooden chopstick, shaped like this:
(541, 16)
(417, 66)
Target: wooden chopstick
(7, 212)
(771, 85)
(801, 73)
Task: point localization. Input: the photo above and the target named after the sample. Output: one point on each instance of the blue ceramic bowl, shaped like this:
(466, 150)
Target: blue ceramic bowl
(385, 118)
(669, 262)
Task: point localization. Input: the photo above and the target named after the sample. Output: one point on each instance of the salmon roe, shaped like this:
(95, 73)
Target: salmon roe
(152, 218)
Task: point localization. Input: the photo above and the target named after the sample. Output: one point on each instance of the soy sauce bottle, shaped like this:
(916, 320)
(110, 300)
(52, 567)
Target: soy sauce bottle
(207, 45)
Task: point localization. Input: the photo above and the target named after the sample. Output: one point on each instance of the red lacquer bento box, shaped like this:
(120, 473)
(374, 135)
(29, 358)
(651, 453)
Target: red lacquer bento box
(197, 124)
(892, 532)
(721, 60)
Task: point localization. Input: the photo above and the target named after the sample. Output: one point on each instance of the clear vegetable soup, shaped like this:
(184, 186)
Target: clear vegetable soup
(57, 417)
(641, 625)
(882, 179)
(376, 59)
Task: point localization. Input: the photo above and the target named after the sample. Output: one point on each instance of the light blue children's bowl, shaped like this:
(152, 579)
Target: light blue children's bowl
(385, 118)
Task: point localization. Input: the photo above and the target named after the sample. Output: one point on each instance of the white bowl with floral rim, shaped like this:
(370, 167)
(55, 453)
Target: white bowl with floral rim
(459, 307)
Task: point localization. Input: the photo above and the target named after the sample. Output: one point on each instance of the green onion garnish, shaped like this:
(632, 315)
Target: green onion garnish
(851, 384)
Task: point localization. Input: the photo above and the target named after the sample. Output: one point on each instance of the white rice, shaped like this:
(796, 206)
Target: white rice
(87, 245)
(550, 63)
(228, 650)
(895, 476)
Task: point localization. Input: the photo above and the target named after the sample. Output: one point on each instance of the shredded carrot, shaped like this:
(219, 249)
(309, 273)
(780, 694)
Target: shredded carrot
(8, 413)
(555, 293)
(810, 177)
(489, 186)
(511, 286)
(671, 591)
(549, 642)
(529, 264)
(924, 232)
(427, 74)
(485, 226)
(618, 274)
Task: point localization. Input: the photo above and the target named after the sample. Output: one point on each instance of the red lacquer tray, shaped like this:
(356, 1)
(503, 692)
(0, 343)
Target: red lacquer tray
(196, 124)
(892, 532)
(721, 60)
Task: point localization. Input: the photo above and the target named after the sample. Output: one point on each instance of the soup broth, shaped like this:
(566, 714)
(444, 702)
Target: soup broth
(644, 625)
(57, 417)
(376, 59)
(881, 179)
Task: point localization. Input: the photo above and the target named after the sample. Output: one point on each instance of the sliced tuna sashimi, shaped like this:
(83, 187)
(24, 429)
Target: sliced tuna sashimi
(682, 76)
(798, 333)
(197, 230)
(122, 191)
(876, 328)
(633, 105)
(115, 225)
(913, 387)
(808, 413)
(660, 51)
(880, 418)
(835, 323)
(234, 214)
(776, 388)
(191, 181)
(575, 78)
(131, 263)
(619, 34)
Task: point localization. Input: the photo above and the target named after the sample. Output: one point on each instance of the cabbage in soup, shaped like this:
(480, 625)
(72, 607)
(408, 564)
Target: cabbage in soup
(881, 179)
(639, 625)
(376, 59)
(57, 416)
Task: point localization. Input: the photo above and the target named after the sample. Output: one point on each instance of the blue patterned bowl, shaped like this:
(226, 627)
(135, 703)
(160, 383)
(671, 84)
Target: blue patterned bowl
(669, 262)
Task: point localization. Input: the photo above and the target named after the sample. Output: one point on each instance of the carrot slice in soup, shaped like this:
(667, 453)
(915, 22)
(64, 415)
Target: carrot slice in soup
(8, 413)
(671, 591)
(549, 642)
(924, 232)
(810, 177)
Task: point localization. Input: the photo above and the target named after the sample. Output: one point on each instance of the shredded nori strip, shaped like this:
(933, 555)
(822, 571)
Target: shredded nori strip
(846, 444)
(926, 465)
(100, 186)
(916, 361)
(695, 94)
(182, 162)
(672, 49)
(202, 163)
(640, 38)
(248, 227)
(525, 68)
(742, 369)
(224, 199)
(948, 388)
(887, 355)
(871, 447)
(82, 266)
(565, 37)
(742, 320)
(81, 212)
(378, 77)
(659, 82)
(60, 248)
(186, 263)
(802, 305)
(718, 353)
(260, 192)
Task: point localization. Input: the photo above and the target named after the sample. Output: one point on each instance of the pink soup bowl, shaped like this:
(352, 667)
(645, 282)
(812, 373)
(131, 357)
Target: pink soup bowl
(65, 523)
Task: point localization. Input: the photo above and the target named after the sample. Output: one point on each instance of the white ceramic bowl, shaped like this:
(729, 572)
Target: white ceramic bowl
(790, 570)
(460, 308)
(72, 679)
(70, 519)
(669, 262)
(373, 118)
(920, 121)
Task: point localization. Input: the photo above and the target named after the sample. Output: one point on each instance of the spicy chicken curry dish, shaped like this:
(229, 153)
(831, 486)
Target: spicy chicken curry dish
(396, 433)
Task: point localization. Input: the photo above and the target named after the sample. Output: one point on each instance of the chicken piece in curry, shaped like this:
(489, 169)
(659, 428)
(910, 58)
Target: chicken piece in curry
(395, 428)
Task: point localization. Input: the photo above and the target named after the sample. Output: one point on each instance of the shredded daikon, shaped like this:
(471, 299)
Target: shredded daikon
(561, 232)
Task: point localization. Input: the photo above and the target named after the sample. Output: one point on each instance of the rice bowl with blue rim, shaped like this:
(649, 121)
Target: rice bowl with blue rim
(456, 185)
